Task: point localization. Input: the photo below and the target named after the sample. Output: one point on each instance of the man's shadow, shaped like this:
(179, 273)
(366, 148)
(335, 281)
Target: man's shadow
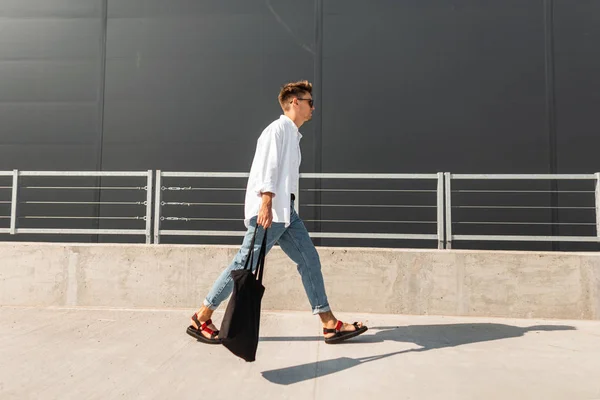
(429, 337)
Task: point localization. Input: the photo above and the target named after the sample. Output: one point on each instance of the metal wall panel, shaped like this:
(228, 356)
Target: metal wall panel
(50, 53)
(190, 85)
(50, 85)
(434, 86)
(577, 62)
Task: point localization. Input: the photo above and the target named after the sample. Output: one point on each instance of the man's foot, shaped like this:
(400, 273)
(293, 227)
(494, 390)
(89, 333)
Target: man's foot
(198, 322)
(337, 331)
(204, 331)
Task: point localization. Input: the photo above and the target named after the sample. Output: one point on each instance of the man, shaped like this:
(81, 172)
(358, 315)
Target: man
(270, 203)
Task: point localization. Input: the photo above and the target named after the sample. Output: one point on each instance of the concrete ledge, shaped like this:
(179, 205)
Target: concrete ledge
(392, 281)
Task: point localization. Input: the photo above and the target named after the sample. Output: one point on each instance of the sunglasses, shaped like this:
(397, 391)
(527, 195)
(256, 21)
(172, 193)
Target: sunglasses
(310, 101)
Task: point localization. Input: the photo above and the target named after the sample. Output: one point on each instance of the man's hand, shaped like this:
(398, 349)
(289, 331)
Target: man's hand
(265, 213)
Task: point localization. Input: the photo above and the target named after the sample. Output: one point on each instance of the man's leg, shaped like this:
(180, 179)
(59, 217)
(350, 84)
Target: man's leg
(223, 286)
(296, 243)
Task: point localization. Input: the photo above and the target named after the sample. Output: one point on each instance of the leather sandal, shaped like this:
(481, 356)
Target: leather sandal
(197, 332)
(340, 336)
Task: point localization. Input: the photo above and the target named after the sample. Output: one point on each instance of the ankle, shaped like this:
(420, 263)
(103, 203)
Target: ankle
(204, 314)
(327, 318)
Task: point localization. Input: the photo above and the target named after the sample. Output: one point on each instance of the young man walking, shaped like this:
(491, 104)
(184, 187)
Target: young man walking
(270, 204)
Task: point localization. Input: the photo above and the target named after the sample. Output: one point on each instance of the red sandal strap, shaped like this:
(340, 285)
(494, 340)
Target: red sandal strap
(205, 324)
(205, 327)
(338, 328)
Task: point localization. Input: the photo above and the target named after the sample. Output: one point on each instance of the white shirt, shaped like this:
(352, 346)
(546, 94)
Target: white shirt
(275, 169)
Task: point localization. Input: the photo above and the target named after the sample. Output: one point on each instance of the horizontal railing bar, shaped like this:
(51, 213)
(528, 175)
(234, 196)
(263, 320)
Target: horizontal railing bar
(86, 187)
(527, 238)
(306, 220)
(199, 219)
(529, 207)
(328, 235)
(523, 191)
(171, 232)
(367, 176)
(6, 173)
(175, 188)
(524, 223)
(370, 190)
(4, 230)
(316, 235)
(524, 176)
(182, 189)
(83, 231)
(172, 203)
(205, 174)
(304, 175)
(370, 221)
(84, 173)
(87, 218)
(179, 203)
(86, 202)
(369, 205)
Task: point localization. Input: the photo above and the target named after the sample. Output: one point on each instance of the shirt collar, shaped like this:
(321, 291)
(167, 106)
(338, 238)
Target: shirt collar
(287, 119)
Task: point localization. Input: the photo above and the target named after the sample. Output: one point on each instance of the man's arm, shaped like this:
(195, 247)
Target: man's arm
(271, 155)
(265, 213)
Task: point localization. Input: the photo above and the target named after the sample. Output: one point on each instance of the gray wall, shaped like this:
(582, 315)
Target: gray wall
(389, 281)
(401, 86)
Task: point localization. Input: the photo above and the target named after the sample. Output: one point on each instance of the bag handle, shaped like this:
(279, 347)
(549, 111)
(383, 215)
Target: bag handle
(261, 255)
(261, 259)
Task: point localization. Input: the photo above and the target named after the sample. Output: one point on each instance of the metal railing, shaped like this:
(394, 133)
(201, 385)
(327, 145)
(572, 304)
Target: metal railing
(505, 211)
(380, 208)
(161, 204)
(432, 199)
(434, 196)
(67, 208)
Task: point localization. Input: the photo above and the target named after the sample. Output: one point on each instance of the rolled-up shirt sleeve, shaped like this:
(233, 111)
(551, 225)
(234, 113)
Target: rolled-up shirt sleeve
(268, 154)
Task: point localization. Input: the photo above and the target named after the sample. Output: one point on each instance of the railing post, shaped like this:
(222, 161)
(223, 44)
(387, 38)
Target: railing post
(598, 205)
(448, 192)
(149, 208)
(157, 206)
(13, 204)
(440, 210)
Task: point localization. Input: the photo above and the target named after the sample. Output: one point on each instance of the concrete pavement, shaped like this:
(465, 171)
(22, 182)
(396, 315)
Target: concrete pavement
(94, 353)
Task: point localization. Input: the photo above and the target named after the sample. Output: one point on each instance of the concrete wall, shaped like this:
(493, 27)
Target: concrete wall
(443, 282)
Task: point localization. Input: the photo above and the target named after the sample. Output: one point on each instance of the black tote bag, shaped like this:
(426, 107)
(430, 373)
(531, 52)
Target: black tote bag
(241, 322)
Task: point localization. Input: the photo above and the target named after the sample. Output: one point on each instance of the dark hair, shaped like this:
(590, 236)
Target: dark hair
(291, 90)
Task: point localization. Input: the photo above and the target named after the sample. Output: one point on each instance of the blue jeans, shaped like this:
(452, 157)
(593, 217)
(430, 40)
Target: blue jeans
(296, 243)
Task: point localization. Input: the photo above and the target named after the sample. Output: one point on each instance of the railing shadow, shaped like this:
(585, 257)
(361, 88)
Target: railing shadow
(428, 337)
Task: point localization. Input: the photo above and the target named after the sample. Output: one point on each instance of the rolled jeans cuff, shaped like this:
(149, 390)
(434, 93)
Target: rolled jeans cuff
(321, 309)
(209, 305)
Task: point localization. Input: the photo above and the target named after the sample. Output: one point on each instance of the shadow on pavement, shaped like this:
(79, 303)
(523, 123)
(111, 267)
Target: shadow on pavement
(429, 337)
